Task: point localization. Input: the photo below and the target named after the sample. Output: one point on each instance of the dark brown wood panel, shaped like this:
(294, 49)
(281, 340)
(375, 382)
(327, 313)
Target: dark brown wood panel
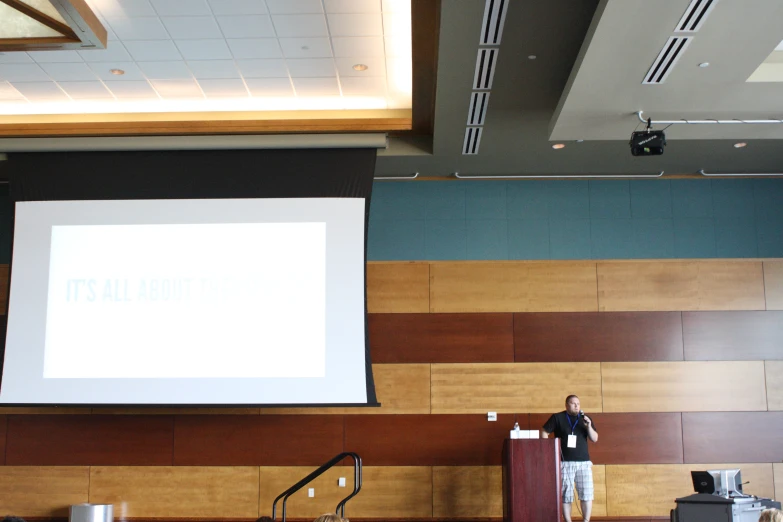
(732, 437)
(80, 440)
(441, 338)
(266, 440)
(3, 424)
(632, 438)
(733, 336)
(428, 440)
(594, 336)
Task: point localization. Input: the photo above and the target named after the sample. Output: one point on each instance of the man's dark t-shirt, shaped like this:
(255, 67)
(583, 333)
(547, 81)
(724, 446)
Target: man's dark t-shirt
(560, 424)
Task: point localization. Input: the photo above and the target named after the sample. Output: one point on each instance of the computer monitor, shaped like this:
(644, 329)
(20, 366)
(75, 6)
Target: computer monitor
(728, 482)
(703, 482)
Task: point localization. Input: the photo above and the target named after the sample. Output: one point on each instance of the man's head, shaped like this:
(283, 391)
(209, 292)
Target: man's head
(572, 405)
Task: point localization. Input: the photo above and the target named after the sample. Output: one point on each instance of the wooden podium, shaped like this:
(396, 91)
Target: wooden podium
(531, 480)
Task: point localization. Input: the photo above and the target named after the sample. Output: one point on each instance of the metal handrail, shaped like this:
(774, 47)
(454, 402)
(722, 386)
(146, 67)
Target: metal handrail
(357, 483)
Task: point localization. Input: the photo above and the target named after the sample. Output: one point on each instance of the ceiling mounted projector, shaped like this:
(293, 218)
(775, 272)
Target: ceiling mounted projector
(648, 143)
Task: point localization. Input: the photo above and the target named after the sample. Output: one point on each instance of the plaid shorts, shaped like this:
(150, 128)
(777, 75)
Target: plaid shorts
(581, 473)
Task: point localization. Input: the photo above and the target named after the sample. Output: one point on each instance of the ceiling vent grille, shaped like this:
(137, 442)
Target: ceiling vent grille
(472, 140)
(478, 108)
(494, 18)
(663, 65)
(695, 15)
(485, 68)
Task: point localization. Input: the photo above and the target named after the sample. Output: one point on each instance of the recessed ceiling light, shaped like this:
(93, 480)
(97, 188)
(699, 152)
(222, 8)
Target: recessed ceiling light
(532, 57)
(558, 146)
(117, 72)
(704, 64)
(580, 141)
(360, 67)
(740, 145)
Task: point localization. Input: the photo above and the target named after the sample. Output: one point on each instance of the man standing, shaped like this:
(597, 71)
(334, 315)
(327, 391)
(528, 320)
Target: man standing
(573, 428)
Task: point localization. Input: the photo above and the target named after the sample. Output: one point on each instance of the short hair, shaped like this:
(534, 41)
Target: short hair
(330, 517)
(264, 519)
(13, 519)
(571, 397)
(771, 515)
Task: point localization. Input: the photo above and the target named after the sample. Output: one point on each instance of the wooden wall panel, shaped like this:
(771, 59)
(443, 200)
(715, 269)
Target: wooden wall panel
(524, 286)
(599, 495)
(684, 386)
(274, 480)
(427, 440)
(774, 376)
(3, 424)
(733, 336)
(734, 436)
(198, 492)
(72, 440)
(680, 285)
(509, 388)
(398, 287)
(777, 469)
(394, 492)
(400, 388)
(31, 491)
(268, 440)
(595, 336)
(460, 492)
(444, 338)
(773, 284)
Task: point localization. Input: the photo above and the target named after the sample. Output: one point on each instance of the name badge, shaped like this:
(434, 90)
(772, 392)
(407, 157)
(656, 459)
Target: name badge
(572, 441)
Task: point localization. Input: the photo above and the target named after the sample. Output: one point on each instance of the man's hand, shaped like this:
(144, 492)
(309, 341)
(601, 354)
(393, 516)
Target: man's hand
(587, 421)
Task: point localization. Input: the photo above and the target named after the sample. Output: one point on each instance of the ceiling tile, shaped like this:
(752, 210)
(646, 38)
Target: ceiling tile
(153, 50)
(358, 46)
(114, 52)
(181, 7)
(352, 6)
(396, 24)
(399, 77)
(110, 36)
(311, 68)
(399, 46)
(399, 100)
(22, 72)
(165, 70)
(306, 47)
(249, 48)
(305, 25)
(355, 24)
(213, 68)
(15, 57)
(250, 26)
(55, 56)
(294, 6)
(127, 8)
(374, 87)
(177, 89)
(263, 68)
(237, 7)
(192, 27)
(138, 28)
(131, 89)
(68, 72)
(316, 87)
(41, 91)
(103, 70)
(85, 90)
(396, 6)
(223, 88)
(204, 49)
(376, 66)
(269, 87)
(8, 92)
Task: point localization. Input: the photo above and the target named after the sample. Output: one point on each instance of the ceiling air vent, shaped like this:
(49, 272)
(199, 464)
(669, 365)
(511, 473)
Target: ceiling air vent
(494, 18)
(695, 15)
(472, 140)
(478, 108)
(663, 65)
(485, 68)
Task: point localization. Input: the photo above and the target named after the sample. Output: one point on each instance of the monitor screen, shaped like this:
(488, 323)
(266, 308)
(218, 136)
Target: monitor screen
(703, 482)
(728, 482)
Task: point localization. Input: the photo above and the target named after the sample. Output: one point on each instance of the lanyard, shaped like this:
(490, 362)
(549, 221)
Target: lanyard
(573, 427)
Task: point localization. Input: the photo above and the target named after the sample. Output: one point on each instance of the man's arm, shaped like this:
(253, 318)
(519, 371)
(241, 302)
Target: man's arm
(544, 434)
(591, 433)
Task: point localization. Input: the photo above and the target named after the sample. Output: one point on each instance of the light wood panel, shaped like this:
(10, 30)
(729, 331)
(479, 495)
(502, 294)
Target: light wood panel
(467, 491)
(551, 286)
(37, 491)
(387, 492)
(599, 495)
(774, 378)
(777, 471)
(683, 386)
(398, 287)
(680, 285)
(165, 491)
(514, 387)
(773, 284)
(400, 388)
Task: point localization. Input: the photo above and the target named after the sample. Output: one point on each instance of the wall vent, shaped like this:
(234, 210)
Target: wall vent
(472, 140)
(663, 65)
(694, 16)
(478, 108)
(485, 68)
(494, 18)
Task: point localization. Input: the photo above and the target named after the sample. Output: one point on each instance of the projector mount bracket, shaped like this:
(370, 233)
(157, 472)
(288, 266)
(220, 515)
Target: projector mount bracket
(650, 121)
